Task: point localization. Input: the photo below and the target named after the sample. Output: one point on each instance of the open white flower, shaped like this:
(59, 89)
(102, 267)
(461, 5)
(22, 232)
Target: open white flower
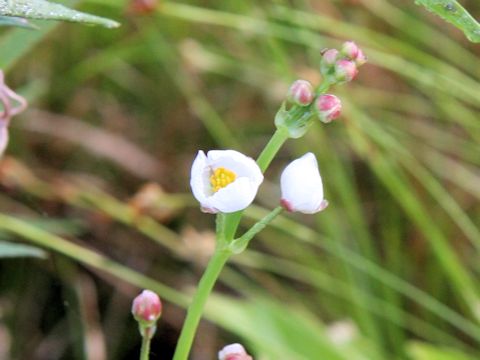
(224, 180)
(301, 185)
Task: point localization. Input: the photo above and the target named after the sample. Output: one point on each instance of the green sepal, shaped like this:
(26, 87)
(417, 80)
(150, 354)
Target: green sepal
(294, 121)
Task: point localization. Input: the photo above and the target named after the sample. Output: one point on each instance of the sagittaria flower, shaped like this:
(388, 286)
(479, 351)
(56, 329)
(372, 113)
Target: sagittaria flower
(301, 185)
(224, 180)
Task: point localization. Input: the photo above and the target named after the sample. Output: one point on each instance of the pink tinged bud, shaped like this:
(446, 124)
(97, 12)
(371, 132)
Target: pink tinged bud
(361, 58)
(345, 70)
(143, 7)
(330, 56)
(147, 308)
(3, 138)
(233, 352)
(328, 107)
(350, 50)
(301, 93)
(301, 186)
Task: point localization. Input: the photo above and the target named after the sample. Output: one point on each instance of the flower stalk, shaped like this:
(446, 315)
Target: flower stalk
(195, 310)
(146, 340)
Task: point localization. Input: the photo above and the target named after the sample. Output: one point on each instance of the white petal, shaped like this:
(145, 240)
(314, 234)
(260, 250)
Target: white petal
(3, 138)
(301, 185)
(198, 173)
(241, 165)
(234, 197)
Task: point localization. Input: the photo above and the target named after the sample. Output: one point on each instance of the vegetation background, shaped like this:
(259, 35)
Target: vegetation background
(97, 171)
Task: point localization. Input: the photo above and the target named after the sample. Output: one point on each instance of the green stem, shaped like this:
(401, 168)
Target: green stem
(195, 310)
(271, 149)
(323, 87)
(147, 337)
(240, 244)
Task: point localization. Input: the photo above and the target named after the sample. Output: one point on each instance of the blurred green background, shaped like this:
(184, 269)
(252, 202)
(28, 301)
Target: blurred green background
(97, 175)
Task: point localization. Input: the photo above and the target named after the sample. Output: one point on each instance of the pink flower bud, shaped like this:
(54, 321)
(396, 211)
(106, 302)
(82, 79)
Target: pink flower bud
(330, 56)
(361, 58)
(345, 70)
(143, 7)
(301, 93)
(350, 50)
(328, 107)
(233, 352)
(147, 307)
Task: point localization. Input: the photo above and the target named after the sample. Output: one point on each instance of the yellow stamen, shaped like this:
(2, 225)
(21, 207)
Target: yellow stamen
(221, 177)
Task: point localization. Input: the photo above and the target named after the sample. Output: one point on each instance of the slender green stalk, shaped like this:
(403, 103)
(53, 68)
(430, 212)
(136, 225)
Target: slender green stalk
(322, 88)
(147, 337)
(195, 310)
(240, 244)
(271, 149)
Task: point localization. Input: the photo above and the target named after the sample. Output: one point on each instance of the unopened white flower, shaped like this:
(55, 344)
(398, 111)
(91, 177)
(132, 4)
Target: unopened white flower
(224, 180)
(301, 185)
(3, 138)
(233, 352)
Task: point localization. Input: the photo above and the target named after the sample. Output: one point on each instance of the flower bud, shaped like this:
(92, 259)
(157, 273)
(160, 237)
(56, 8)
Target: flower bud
(3, 138)
(301, 93)
(350, 50)
(330, 56)
(328, 107)
(143, 7)
(345, 70)
(328, 61)
(147, 308)
(233, 352)
(301, 186)
(361, 58)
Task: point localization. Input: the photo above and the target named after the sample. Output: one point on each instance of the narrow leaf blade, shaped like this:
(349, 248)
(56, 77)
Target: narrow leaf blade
(11, 250)
(46, 10)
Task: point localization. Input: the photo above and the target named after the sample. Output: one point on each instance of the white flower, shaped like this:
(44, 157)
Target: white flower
(301, 185)
(233, 352)
(3, 138)
(224, 180)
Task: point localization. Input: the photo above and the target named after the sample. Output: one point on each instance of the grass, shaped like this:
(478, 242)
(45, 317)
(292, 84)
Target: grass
(391, 262)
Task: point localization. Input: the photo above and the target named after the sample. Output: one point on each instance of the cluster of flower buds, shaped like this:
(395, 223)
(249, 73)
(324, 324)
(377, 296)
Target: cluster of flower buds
(233, 352)
(307, 102)
(9, 110)
(147, 309)
(339, 67)
(326, 106)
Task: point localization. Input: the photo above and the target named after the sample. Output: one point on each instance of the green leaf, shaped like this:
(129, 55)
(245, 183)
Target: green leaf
(15, 21)
(454, 13)
(279, 330)
(10, 250)
(45, 10)
(421, 351)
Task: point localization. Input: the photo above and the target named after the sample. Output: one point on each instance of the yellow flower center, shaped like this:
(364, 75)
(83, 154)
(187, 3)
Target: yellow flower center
(221, 177)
